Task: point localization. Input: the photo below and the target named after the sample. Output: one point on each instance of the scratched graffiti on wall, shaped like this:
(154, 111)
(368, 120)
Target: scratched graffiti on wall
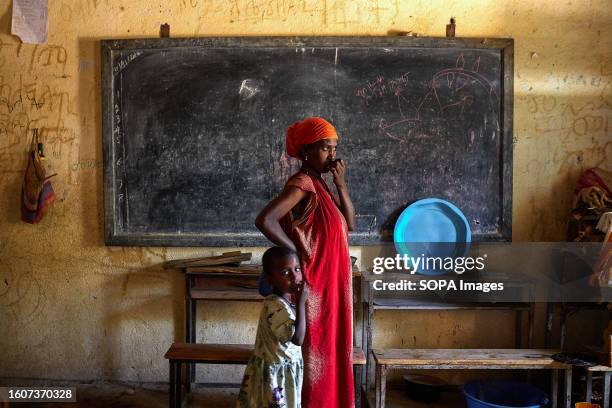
(330, 13)
(70, 10)
(35, 97)
(21, 294)
(571, 119)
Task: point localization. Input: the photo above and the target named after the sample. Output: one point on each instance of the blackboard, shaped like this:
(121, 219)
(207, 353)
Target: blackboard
(194, 129)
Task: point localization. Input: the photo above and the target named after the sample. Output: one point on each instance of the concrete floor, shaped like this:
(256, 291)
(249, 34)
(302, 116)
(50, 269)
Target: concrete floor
(155, 395)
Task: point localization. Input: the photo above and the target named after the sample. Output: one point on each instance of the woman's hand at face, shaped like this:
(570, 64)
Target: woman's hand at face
(337, 169)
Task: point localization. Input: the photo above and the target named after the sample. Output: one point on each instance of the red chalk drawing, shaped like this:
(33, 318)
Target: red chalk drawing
(460, 87)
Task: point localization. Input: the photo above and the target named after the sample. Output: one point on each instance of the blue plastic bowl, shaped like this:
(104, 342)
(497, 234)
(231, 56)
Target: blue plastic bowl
(433, 228)
(503, 394)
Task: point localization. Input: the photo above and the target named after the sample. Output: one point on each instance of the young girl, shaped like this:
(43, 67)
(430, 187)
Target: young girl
(273, 376)
(310, 217)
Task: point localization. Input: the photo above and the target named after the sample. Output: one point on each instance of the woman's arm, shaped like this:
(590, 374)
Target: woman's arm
(268, 219)
(300, 317)
(346, 205)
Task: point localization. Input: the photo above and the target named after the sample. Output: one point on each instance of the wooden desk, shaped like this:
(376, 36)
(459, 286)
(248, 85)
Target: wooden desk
(448, 359)
(370, 303)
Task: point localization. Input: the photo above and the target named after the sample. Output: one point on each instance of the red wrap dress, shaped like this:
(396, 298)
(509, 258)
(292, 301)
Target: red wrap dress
(321, 237)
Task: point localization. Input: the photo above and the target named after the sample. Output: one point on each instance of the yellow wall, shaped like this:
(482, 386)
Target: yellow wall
(72, 308)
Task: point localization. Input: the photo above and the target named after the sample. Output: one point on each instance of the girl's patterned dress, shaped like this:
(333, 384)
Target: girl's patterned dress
(273, 376)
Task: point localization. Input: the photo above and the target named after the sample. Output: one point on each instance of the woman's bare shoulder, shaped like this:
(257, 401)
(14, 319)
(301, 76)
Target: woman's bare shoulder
(301, 180)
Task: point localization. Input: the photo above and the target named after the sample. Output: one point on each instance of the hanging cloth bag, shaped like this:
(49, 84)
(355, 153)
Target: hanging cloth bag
(36, 191)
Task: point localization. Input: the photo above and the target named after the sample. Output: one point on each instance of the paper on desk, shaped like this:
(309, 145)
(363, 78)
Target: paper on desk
(30, 21)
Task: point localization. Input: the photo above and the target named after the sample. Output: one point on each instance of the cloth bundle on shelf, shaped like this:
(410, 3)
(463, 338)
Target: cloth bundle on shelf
(594, 190)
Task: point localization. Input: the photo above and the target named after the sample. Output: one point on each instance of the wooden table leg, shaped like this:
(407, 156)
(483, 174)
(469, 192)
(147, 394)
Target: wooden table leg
(190, 374)
(554, 388)
(606, 396)
(381, 385)
(563, 329)
(377, 386)
(589, 386)
(357, 385)
(178, 399)
(191, 370)
(172, 385)
(568, 387)
(530, 319)
(548, 325)
(369, 317)
(518, 336)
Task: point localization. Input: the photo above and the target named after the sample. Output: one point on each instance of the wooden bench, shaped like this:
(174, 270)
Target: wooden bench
(444, 359)
(187, 353)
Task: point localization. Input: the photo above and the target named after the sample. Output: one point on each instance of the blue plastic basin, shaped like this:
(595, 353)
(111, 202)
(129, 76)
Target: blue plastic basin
(503, 394)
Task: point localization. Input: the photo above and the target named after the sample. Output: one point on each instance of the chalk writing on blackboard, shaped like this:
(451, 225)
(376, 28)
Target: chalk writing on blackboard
(122, 63)
(448, 88)
(249, 88)
(117, 127)
(381, 87)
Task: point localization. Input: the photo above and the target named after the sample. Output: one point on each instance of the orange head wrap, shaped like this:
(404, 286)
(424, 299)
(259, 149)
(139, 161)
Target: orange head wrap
(308, 131)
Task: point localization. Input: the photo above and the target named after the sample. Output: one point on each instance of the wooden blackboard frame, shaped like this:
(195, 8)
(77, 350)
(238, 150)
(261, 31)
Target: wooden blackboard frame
(113, 233)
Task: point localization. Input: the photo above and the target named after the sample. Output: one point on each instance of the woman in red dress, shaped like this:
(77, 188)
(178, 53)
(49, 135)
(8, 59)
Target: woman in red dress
(310, 219)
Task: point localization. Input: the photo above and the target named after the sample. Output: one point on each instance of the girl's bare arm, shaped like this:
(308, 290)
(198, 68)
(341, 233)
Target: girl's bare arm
(268, 220)
(300, 317)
